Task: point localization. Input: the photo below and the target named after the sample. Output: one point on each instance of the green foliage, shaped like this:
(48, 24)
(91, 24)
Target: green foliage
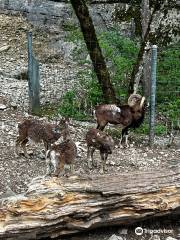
(48, 110)
(160, 129)
(120, 54)
(70, 106)
(168, 86)
(114, 132)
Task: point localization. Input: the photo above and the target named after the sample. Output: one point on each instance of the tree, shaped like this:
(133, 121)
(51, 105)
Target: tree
(94, 50)
(147, 18)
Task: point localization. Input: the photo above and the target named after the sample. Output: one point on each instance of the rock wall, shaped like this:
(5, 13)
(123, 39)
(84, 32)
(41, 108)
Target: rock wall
(41, 12)
(56, 78)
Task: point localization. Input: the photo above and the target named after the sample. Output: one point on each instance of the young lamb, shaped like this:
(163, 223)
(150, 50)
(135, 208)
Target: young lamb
(37, 131)
(129, 116)
(61, 154)
(96, 139)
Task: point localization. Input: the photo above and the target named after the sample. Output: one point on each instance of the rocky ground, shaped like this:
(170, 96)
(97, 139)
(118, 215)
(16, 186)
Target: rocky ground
(17, 172)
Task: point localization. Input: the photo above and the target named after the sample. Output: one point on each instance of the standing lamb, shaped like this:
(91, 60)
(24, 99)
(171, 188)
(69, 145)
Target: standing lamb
(37, 131)
(96, 139)
(61, 154)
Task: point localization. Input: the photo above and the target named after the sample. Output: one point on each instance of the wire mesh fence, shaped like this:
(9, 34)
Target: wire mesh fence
(168, 85)
(75, 87)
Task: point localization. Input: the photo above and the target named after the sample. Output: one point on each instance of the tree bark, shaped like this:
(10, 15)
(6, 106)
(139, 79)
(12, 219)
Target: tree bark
(146, 36)
(54, 207)
(146, 75)
(94, 49)
(138, 65)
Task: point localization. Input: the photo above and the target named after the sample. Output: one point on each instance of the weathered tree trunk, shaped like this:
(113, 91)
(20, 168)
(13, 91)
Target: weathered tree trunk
(143, 54)
(94, 49)
(146, 27)
(54, 207)
(145, 13)
(137, 69)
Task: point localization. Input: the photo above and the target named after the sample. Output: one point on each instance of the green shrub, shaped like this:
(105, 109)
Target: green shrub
(70, 106)
(160, 129)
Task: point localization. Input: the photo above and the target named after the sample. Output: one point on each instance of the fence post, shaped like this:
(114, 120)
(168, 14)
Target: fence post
(33, 78)
(30, 68)
(153, 94)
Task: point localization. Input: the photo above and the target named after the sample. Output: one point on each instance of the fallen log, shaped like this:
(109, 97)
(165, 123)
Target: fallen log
(54, 207)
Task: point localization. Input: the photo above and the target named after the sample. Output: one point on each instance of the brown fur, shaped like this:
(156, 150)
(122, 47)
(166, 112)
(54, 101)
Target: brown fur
(96, 139)
(61, 154)
(127, 116)
(37, 131)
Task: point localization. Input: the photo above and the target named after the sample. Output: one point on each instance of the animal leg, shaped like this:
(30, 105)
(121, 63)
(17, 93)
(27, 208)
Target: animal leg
(103, 162)
(48, 163)
(101, 127)
(72, 168)
(88, 157)
(18, 140)
(92, 158)
(124, 132)
(46, 145)
(23, 144)
(126, 139)
(59, 167)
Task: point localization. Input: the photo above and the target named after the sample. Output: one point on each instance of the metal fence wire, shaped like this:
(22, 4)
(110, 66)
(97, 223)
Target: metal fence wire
(168, 85)
(57, 80)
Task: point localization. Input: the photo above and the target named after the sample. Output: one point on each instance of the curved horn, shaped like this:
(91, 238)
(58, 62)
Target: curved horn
(133, 99)
(142, 102)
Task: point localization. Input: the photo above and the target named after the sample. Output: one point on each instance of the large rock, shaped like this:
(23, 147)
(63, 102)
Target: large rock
(41, 12)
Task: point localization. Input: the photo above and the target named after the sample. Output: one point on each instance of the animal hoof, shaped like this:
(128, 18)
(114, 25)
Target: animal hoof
(101, 171)
(16, 154)
(127, 146)
(89, 166)
(54, 175)
(48, 174)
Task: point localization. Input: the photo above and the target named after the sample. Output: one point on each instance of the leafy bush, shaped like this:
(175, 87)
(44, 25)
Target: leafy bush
(160, 129)
(120, 54)
(70, 106)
